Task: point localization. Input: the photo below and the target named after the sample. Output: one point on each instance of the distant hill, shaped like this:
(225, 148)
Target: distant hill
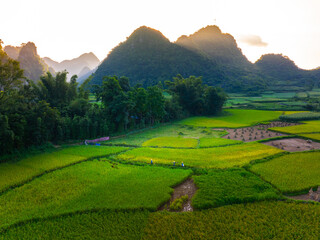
(283, 74)
(77, 66)
(29, 59)
(214, 44)
(12, 52)
(147, 57)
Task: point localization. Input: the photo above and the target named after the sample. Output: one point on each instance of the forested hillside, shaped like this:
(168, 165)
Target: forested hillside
(147, 57)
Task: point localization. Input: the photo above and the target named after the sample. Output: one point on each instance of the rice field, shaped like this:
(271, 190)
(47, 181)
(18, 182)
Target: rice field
(173, 130)
(314, 136)
(218, 188)
(303, 116)
(221, 157)
(100, 192)
(15, 173)
(296, 172)
(260, 220)
(102, 224)
(90, 185)
(175, 142)
(306, 127)
(217, 142)
(234, 118)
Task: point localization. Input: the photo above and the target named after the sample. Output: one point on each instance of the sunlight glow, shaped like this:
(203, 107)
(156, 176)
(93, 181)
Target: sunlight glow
(65, 29)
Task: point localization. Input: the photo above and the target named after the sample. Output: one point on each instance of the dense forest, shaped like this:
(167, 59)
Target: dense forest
(53, 109)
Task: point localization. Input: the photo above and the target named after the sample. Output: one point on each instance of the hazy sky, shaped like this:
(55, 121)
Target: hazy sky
(64, 29)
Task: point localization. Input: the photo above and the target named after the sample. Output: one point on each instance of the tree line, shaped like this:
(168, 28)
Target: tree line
(54, 110)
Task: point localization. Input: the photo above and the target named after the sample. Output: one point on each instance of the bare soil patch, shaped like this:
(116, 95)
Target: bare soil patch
(311, 196)
(294, 144)
(257, 132)
(186, 188)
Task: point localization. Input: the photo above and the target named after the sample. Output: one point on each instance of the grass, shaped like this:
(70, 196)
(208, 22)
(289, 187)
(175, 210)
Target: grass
(221, 157)
(90, 185)
(218, 188)
(216, 142)
(172, 130)
(307, 127)
(235, 118)
(177, 142)
(109, 225)
(262, 220)
(291, 173)
(15, 173)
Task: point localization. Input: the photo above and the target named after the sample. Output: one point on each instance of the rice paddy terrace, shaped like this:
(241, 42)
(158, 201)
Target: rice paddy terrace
(238, 169)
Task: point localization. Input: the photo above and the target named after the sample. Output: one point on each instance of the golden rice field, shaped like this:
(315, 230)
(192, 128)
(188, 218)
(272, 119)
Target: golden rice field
(220, 157)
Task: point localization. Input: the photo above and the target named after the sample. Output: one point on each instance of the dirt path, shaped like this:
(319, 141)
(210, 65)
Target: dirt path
(294, 144)
(186, 188)
(254, 133)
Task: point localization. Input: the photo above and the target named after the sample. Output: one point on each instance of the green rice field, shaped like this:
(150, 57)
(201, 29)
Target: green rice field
(294, 172)
(216, 142)
(177, 142)
(264, 220)
(236, 190)
(90, 185)
(172, 130)
(313, 136)
(218, 188)
(233, 118)
(306, 127)
(15, 173)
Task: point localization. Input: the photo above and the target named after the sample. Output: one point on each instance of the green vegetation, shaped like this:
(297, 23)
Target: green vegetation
(220, 157)
(171, 130)
(262, 220)
(103, 224)
(90, 185)
(15, 173)
(177, 204)
(219, 188)
(234, 118)
(195, 97)
(177, 142)
(307, 127)
(296, 172)
(304, 116)
(216, 142)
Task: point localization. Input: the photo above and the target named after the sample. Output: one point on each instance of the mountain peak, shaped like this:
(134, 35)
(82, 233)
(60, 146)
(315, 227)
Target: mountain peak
(145, 34)
(214, 44)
